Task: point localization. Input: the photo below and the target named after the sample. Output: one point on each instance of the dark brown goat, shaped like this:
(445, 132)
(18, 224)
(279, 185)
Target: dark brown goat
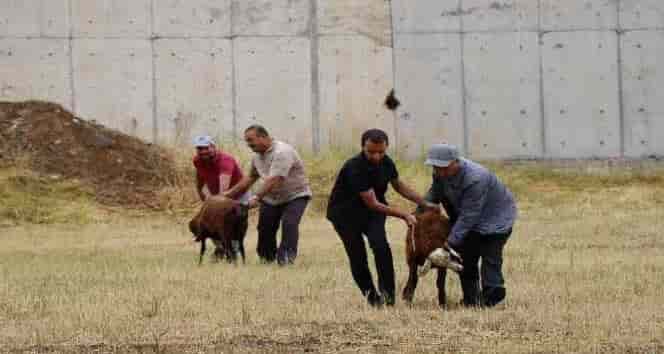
(223, 220)
(425, 244)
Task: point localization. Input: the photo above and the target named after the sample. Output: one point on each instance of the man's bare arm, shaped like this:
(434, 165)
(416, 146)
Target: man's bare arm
(370, 200)
(199, 187)
(270, 184)
(242, 187)
(407, 192)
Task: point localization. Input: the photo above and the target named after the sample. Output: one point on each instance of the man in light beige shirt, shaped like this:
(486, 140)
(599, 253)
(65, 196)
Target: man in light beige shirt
(283, 197)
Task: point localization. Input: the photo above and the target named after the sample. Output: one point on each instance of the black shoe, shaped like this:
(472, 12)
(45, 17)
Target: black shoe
(471, 304)
(374, 299)
(493, 296)
(389, 299)
(471, 293)
(266, 260)
(284, 261)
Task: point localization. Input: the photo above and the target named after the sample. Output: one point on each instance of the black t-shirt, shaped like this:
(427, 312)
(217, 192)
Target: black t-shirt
(359, 175)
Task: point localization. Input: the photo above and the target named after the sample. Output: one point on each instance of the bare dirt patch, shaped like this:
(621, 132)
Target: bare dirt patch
(120, 169)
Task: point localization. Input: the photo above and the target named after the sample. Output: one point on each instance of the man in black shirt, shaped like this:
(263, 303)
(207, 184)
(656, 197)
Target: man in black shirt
(357, 206)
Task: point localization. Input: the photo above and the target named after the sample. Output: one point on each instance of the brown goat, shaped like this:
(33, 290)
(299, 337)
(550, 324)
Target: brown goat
(225, 221)
(425, 244)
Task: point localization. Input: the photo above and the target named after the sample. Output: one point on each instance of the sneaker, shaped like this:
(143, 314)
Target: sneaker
(493, 296)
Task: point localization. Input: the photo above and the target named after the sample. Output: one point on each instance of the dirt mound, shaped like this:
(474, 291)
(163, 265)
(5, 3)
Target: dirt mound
(120, 169)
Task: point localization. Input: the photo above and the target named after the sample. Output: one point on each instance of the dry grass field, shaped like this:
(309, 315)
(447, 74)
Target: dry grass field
(584, 271)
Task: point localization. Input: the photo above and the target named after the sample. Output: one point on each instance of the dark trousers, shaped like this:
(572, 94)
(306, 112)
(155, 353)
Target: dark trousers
(270, 216)
(488, 249)
(374, 230)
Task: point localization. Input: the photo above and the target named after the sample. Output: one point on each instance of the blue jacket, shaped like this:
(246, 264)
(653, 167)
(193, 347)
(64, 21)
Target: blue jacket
(475, 200)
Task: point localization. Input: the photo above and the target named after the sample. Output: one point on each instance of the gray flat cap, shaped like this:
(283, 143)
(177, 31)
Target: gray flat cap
(441, 155)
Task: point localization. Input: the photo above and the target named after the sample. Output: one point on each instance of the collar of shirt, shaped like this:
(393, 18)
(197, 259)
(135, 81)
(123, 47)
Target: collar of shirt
(209, 162)
(269, 150)
(371, 167)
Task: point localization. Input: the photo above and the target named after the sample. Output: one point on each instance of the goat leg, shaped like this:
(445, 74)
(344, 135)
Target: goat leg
(228, 249)
(440, 284)
(200, 257)
(235, 246)
(409, 290)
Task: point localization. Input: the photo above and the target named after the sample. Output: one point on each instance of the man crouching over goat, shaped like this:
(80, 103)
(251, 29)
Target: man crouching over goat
(217, 172)
(482, 212)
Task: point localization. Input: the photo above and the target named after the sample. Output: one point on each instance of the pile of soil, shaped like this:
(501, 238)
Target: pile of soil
(121, 170)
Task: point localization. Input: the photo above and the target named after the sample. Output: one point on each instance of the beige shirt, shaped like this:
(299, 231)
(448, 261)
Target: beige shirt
(282, 160)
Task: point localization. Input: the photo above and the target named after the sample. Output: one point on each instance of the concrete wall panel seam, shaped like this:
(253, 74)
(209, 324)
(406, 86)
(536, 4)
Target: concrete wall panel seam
(315, 72)
(236, 133)
(638, 29)
(466, 131)
(153, 60)
(621, 104)
(645, 29)
(394, 74)
(34, 37)
(540, 42)
(72, 85)
(40, 23)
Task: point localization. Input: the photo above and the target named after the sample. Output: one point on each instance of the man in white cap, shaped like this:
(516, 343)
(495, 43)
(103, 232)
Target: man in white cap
(215, 170)
(216, 173)
(482, 212)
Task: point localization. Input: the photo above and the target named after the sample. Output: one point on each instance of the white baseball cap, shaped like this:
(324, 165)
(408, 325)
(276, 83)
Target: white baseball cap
(203, 141)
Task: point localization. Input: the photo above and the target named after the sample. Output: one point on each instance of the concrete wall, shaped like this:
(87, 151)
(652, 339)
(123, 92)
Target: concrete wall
(501, 79)
(539, 79)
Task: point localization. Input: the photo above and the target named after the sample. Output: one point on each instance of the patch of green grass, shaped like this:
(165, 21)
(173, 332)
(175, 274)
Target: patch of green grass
(33, 199)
